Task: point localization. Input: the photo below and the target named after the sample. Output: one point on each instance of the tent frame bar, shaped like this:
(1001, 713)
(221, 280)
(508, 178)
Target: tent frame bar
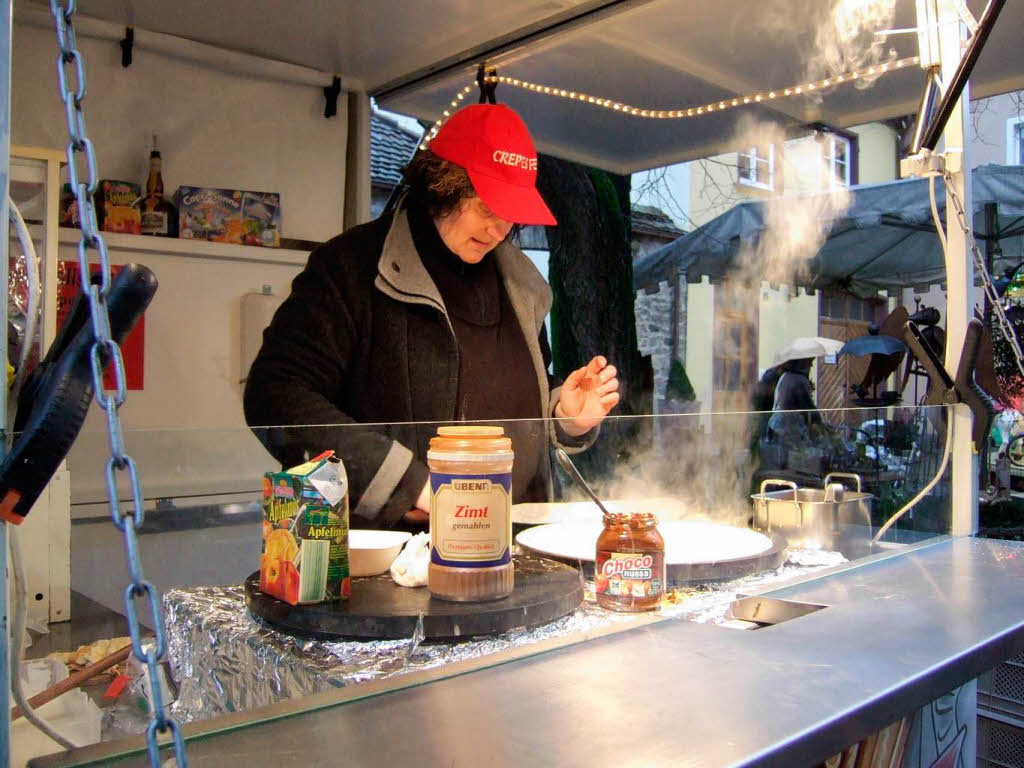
(958, 81)
(582, 15)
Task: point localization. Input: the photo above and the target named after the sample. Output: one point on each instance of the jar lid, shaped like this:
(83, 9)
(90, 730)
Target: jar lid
(470, 430)
(470, 439)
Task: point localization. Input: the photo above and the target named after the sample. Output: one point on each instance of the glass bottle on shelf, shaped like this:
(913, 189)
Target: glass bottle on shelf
(159, 215)
(68, 207)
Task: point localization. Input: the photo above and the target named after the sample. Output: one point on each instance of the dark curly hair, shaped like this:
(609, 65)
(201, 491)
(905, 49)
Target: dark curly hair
(437, 185)
(440, 187)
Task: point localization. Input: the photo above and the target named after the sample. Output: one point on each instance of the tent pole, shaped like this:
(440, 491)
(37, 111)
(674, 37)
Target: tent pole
(6, 7)
(579, 16)
(964, 464)
(959, 276)
(356, 208)
(991, 248)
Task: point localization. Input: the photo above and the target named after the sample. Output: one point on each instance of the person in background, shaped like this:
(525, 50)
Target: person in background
(790, 445)
(761, 401)
(794, 411)
(763, 397)
(427, 314)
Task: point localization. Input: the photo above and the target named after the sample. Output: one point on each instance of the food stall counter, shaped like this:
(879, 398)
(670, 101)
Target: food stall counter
(894, 634)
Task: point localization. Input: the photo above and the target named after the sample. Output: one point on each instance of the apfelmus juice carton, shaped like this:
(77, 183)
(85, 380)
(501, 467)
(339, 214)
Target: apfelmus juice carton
(305, 532)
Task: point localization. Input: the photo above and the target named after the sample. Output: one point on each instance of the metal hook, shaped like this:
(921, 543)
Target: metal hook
(487, 88)
(331, 97)
(126, 46)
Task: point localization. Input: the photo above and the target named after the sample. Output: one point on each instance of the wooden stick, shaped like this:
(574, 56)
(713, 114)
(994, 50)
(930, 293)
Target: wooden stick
(74, 680)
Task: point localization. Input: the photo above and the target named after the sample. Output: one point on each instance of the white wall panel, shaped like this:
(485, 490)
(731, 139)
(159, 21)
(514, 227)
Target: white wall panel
(193, 438)
(215, 129)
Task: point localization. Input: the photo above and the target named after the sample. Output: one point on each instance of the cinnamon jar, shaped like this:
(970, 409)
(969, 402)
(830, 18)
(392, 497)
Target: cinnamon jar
(470, 514)
(629, 570)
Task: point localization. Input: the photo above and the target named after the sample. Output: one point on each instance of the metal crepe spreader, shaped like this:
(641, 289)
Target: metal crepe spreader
(946, 390)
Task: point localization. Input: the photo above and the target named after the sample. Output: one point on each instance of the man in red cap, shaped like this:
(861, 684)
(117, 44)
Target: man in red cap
(425, 316)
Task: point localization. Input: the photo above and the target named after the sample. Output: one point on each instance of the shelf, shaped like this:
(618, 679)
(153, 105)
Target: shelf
(198, 249)
(39, 153)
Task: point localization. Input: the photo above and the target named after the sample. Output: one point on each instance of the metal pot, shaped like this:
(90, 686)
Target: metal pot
(814, 515)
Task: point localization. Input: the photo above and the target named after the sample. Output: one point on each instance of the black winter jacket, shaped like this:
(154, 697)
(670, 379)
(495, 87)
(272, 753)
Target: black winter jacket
(362, 348)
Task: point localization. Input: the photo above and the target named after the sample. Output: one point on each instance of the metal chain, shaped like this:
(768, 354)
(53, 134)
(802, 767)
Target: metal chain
(71, 76)
(986, 279)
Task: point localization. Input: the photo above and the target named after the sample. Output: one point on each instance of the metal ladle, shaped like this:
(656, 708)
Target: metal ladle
(570, 468)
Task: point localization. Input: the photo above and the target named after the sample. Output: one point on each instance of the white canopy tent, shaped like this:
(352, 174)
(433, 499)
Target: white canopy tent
(653, 54)
(662, 54)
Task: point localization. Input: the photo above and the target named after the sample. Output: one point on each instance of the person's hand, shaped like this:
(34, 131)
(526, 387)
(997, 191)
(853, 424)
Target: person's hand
(416, 517)
(420, 514)
(587, 396)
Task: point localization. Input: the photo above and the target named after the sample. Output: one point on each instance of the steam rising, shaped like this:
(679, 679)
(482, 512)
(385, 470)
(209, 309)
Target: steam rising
(846, 40)
(710, 471)
(695, 473)
(795, 226)
(705, 460)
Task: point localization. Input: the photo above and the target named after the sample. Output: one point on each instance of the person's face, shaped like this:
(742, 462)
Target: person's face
(472, 230)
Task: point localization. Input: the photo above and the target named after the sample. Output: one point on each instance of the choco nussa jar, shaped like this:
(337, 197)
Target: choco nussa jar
(470, 514)
(629, 570)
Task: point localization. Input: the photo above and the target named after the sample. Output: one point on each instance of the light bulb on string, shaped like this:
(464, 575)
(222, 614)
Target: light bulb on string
(673, 114)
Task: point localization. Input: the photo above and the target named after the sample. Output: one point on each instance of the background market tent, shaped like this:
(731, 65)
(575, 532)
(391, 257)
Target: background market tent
(885, 241)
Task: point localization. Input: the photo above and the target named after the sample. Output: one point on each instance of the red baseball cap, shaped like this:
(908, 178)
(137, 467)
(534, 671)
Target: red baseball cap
(491, 143)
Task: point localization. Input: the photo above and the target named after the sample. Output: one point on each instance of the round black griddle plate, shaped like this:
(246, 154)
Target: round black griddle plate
(724, 570)
(380, 609)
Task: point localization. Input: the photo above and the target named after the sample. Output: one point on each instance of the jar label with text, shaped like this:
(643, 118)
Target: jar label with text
(629, 574)
(471, 519)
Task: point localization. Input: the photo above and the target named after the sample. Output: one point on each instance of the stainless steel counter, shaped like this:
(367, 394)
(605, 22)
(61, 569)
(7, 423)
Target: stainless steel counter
(897, 633)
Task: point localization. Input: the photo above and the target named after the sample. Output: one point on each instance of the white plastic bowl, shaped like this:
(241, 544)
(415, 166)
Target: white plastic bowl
(371, 553)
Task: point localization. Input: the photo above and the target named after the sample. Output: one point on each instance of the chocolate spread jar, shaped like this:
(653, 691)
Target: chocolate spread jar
(470, 514)
(629, 570)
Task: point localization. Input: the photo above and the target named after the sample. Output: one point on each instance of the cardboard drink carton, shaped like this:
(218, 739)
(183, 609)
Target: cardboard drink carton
(305, 532)
(115, 207)
(229, 216)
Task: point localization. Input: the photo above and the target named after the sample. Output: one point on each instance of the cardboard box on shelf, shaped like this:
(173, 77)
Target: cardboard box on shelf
(115, 206)
(229, 216)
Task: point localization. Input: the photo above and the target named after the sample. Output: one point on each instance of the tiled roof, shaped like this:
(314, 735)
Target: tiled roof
(648, 220)
(391, 148)
(645, 220)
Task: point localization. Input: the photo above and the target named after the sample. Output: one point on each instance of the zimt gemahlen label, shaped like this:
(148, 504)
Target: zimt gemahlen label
(471, 520)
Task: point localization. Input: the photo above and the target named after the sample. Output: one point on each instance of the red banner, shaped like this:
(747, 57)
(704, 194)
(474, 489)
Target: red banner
(132, 348)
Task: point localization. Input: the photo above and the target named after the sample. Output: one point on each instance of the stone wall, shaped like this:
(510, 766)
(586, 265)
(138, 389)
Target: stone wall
(654, 331)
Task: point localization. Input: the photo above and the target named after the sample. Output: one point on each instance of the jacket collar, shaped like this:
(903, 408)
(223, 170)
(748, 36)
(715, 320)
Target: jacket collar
(402, 276)
(400, 273)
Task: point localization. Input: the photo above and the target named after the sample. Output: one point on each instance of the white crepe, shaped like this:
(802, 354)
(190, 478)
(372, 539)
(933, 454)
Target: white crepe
(410, 567)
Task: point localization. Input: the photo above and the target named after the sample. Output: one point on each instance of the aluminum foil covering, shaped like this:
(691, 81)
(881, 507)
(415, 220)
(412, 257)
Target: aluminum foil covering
(226, 660)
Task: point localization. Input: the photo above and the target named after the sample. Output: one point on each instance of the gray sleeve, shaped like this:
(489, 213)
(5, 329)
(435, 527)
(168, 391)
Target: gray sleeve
(384, 483)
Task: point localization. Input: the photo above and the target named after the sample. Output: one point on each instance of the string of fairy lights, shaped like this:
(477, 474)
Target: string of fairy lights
(672, 114)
